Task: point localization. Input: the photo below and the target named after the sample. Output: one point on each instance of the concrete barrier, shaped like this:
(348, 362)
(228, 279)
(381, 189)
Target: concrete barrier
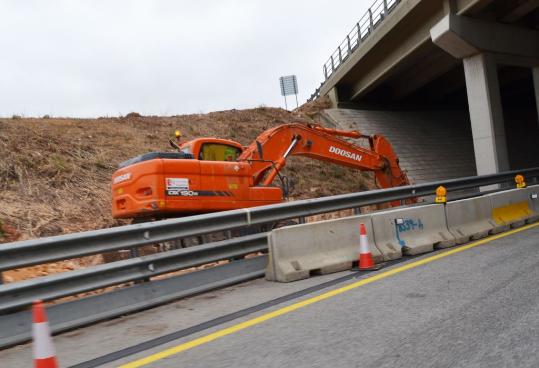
(470, 219)
(533, 196)
(514, 207)
(415, 230)
(296, 252)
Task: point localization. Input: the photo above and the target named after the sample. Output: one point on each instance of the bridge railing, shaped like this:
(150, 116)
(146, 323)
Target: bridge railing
(363, 28)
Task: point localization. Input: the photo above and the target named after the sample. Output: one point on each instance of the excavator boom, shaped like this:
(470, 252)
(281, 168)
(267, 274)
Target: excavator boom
(268, 153)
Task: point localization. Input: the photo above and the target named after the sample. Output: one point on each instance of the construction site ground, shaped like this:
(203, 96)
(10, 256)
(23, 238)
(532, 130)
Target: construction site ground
(55, 173)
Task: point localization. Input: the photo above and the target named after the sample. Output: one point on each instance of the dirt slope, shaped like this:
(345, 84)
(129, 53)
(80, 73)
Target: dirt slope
(55, 173)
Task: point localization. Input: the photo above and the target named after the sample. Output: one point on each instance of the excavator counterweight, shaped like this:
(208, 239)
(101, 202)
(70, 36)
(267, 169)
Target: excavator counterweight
(212, 174)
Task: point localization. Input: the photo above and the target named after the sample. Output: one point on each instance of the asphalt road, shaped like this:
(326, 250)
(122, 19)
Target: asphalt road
(474, 307)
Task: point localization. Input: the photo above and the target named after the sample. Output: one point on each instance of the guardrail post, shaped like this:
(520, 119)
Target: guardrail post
(349, 44)
(301, 220)
(371, 23)
(358, 34)
(325, 72)
(340, 55)
(1, 278)
(357, 211)
(134, 252)
(386, 10)
(332, 63)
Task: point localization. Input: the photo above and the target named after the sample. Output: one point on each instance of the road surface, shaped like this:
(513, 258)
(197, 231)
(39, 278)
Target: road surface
(470, 306)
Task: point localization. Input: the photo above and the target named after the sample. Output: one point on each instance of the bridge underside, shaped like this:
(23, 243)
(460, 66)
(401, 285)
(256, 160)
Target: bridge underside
(479, 58)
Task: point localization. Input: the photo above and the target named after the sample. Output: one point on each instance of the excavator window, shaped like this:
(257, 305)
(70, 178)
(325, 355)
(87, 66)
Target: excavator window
(218, 152)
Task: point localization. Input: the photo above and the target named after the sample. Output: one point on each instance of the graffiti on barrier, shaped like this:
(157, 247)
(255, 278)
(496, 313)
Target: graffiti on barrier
(403, 225)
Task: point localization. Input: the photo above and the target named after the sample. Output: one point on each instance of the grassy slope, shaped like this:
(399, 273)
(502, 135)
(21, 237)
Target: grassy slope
(55, 173)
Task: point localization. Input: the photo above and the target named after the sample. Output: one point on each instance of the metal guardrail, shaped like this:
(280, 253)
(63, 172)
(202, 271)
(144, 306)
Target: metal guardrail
(16, 297)
(375, 15)
(38, 251)
(21, 294)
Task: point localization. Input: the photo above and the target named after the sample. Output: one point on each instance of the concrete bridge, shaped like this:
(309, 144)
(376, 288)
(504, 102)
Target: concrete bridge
(476, 61)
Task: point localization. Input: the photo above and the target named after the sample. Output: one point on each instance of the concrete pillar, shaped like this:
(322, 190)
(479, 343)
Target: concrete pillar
(486, 114)
(535, 72)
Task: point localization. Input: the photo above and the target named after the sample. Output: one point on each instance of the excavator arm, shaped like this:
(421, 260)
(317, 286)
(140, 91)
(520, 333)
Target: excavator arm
(268, 153)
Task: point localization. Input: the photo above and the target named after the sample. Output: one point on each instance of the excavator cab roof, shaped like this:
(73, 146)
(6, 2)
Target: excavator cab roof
(206, 149)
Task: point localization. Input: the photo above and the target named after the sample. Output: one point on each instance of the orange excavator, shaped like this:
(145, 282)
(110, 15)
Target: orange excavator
(212, 174)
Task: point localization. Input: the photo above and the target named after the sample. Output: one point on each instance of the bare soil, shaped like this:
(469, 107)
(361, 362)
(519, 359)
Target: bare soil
(55, 172)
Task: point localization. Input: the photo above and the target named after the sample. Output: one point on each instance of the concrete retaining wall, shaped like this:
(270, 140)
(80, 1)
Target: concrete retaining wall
(323, 247)
(431, 145)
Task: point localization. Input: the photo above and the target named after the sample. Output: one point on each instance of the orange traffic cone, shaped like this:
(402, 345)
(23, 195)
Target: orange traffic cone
(44, 354)
(365, 261)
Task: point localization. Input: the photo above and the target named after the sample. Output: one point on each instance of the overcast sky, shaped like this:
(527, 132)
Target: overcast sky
(86, 58)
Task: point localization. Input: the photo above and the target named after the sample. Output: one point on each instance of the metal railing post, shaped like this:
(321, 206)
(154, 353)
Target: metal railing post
(134, 252)
(385, 4)
(340, 55)
(357, 211)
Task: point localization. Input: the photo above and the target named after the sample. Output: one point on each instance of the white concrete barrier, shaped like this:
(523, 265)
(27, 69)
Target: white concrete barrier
(533, 197)
(471, 219)
(296, 252)
(514, 207)
(414, 230)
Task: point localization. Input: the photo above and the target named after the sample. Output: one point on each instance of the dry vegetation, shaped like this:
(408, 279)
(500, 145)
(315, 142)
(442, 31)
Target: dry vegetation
(55, 173)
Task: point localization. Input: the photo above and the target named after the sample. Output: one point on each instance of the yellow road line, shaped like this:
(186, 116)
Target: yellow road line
(279, 312)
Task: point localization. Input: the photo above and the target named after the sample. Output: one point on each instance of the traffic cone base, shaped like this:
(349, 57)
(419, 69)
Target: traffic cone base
(46, 363)
(365, 261)
(44, 354)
